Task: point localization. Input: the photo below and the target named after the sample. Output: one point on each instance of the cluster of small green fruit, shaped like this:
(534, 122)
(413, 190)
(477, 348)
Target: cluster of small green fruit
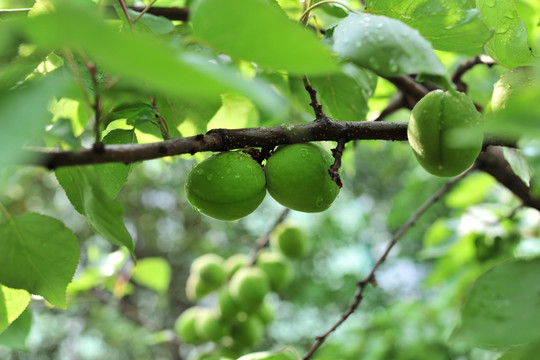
(231, 185)
(241, 310)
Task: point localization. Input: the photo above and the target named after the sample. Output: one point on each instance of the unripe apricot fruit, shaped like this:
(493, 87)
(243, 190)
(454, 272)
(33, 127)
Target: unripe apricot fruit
(445, 132)
(209, 267)
(185, 325)
(248, 287)
(276, 267)
(226, 186)
(290, 240)
(297, 177)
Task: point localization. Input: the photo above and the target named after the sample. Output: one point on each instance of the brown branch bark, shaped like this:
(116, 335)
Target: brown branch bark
(228, 139)
(492, 161)
(171, 13)
(225, 139)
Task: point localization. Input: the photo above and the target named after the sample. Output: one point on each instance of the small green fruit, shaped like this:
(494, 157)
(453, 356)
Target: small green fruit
(226, 186)
(185, 325)
(209, 327)
(445, 132)
(248, 332)
(196, 288)
(277, 269)
(511, 83)
(267, 355)
(265, 313)
(235, 262)
(209, 267)
(290, 240)
(228, 308)
(248, 287)
(297, 177)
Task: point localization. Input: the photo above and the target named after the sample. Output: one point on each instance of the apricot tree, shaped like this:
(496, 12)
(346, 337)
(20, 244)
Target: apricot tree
(276, 96)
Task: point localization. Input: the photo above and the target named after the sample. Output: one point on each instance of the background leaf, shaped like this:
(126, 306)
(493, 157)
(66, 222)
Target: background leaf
(386, 46)
(104, 215)
(508, 46)
(345, 96)
(268, 36)
(502, 308)
(16, 334)
(166, 69)
(154, 273)
(24, 114)
(113, 175)
(12, 304)
(38, 254)
(449, 25)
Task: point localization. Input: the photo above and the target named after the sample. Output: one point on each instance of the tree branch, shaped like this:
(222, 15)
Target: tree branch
(370, 278)
(225, 139)
(492, 161)
(228, 139)
(466, 66)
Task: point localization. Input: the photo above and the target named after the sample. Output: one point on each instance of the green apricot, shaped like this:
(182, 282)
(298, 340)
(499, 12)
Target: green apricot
(209, 267)
(510, 83)
(226, 186)
(196, 288)
(235, 262)
(208, 325)
(267, 355)
(276, 267)
(290, 240)
(248, 287)
(184, 325)
(247, 332)
(297, 177)
(445, 132)
(228, 308)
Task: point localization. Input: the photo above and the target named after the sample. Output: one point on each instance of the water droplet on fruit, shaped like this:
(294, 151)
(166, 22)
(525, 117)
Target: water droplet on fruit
(319, 201)
(379, 25)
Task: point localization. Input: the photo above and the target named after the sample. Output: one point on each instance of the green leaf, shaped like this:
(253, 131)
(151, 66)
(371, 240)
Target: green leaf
(24, 114)
(448, 25)
(470, 191)
(104, 215)
(16, 334)
(114, 175)
(39, 254)
(502, 307)
(386, 46)
(529, 351)
(345, 96)
(519, 118)
(509, 46)
(157, 24)
(154, 273)
(12, 304)
(262, 33)
(162, 68)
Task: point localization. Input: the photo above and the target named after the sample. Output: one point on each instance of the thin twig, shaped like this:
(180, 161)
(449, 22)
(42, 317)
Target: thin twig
(370, 278)
(337, 153)
(126, 12)
(317, 107)
(466, 66)
(397, 102)
(262, 241)
(144, 11)
(96, 105)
